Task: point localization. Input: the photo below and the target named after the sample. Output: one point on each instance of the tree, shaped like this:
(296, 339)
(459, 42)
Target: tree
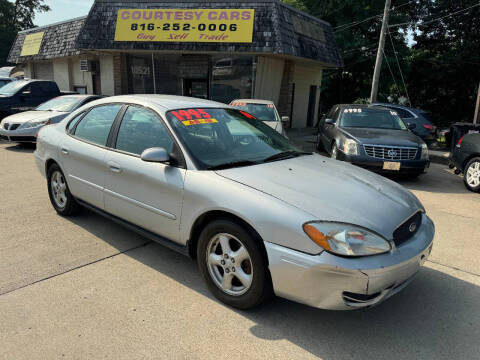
(14, 17)
(357, 28)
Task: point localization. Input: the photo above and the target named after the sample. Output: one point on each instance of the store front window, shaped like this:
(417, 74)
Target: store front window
(232, 78)
(221, 78)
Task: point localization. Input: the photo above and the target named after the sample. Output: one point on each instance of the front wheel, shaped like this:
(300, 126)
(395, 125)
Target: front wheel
(334, 152)
(231, 262)
(471, 176)
(60, 196)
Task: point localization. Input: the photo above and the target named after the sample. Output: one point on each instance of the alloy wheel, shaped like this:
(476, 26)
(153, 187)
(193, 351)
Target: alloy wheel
(473, 174)
(229, 264)
(59, 189)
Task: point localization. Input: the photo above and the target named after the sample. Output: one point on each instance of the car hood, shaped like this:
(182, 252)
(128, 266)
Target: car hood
(383, 136)
(23, 117)
(331, 190)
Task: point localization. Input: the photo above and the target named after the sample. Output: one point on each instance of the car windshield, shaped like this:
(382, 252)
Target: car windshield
(12, 87)
(62, 104)
(224, 138)
(263, 112)
(371, 118)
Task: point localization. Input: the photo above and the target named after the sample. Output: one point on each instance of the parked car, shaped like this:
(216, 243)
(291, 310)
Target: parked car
(372, 137)
(23, 127)
(4, 81)
(263, 110)
(421, 118)
(259, 216)
(23, 95)
(466, 158)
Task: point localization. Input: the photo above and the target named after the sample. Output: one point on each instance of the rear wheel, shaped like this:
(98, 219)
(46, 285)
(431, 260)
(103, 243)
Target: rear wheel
(471, 175)
(60, 196)
(231, 262)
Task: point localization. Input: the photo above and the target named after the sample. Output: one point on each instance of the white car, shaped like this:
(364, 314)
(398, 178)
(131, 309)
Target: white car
(263, 110)
(23, 127)
(258, 214)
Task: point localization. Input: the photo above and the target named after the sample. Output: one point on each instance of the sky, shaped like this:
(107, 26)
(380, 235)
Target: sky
(63, 10)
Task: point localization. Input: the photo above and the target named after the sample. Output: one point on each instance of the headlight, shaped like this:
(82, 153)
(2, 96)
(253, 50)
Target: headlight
(424, 152)
(345, 239)
(350, 147)
(34, 124)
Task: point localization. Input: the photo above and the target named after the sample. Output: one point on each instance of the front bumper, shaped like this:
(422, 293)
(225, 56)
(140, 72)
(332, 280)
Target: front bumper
(331, 282)
(20, 135)
(376, 165)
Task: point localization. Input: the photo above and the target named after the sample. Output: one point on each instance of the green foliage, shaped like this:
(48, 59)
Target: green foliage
(441, 69)
(14, 17)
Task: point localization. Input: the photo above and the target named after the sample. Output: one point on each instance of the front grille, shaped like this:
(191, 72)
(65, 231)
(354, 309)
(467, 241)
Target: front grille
(386, 152)
(404, 232)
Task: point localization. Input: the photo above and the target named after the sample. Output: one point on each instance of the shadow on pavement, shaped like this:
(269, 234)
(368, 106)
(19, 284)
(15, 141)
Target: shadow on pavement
(436, 317)
(24, 148)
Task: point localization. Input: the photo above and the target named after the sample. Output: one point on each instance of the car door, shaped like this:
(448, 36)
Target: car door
(83, 152)
(146, 194)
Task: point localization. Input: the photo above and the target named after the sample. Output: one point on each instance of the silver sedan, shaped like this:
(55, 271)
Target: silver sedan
(260, 216)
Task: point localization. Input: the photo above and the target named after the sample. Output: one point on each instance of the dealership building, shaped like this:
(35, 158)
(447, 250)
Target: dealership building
(216, 49)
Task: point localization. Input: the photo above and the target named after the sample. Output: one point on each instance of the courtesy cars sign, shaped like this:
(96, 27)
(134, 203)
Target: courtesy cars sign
(180, 25)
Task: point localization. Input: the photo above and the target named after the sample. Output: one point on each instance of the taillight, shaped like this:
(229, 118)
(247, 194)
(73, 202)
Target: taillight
(460, 141)
(429, 127)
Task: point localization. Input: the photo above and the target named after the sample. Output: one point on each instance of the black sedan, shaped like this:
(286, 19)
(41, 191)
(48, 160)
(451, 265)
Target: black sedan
(372, 137)
(466, 158)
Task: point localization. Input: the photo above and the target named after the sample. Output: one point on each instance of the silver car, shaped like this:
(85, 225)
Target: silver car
(23, 127)
(260, 216)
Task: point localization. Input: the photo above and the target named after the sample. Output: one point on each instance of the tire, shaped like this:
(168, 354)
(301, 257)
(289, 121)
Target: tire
(223, 241)
(471, 175)
(62, 200)
(334, 151)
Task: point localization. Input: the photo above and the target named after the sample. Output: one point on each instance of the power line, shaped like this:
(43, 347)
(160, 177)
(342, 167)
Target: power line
(437, 19)
(391, 72)
(399, 67)
(358, 22)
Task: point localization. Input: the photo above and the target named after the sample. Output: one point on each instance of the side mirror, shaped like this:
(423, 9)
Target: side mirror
(285, 121)
(329, 122)
(411, 126)
(156, 155)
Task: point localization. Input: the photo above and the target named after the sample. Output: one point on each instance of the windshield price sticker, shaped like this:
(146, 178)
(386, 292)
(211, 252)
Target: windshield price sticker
(191, 114)
(394, 113)
(199, 122)
(353, 110)
(270, 106)
(250, 116)
(239, 104)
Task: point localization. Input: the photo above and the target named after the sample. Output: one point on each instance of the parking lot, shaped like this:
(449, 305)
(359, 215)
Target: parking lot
(86, 288)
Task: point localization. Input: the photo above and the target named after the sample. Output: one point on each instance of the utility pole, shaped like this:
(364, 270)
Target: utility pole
(381, 46)
(476, 119)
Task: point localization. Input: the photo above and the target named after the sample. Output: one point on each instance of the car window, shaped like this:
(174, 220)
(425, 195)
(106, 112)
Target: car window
(334, 115)
(141, 129)
(371, 118)
(73, 122)
(404, 114)
(95, 126)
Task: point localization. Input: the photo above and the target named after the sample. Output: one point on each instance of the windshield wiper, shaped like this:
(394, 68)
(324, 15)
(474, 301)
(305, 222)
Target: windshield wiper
(286, 155)
(232, 164)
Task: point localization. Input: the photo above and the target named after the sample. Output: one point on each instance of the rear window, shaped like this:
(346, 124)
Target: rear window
(263, 112)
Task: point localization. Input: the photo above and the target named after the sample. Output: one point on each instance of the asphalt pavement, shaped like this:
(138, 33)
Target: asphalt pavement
(86, 288)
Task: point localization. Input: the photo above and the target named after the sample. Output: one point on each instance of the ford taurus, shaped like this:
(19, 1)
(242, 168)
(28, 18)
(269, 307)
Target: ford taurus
(260, 216)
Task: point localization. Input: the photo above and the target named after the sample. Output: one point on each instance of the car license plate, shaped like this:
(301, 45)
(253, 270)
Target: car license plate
(394, 166)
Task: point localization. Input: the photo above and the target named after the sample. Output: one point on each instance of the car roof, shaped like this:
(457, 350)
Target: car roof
(167, 102)
(362, 106)
(416, 110)
(254, 101)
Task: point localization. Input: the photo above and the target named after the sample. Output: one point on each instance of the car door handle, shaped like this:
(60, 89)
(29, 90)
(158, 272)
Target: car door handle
(65, 151)
(114, 167)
